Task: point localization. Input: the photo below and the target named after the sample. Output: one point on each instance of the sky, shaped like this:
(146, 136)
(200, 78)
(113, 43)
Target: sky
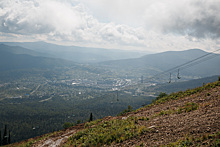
(145, 25)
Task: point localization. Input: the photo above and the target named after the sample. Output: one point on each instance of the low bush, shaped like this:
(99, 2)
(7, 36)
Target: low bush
(108, 132)
(190, 107)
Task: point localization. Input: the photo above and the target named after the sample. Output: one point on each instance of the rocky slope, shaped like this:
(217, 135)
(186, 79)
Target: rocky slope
(190, 118)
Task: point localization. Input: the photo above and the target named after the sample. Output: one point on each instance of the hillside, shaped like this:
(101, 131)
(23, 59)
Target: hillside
(189, 118)
(155, 63)
(19, 50)
(180, 86)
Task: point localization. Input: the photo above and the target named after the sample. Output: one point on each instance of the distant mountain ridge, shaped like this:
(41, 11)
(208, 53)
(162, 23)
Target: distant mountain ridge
(20, 50)
(146, 65)
(156, 63)
(75, 53)
(13, 58)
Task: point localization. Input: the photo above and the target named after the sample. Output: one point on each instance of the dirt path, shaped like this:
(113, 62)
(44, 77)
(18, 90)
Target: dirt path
(59, 138)
(55, 141)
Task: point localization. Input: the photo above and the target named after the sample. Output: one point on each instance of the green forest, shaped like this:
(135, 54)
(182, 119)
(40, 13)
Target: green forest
(28, 118)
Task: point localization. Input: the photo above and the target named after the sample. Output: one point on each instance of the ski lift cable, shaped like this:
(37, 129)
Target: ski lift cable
(174, 68)
(195, 63)
(198, 62)
(188, 64)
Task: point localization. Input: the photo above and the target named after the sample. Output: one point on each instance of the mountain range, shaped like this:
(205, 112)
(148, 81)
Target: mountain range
(13, 58)
(45, 55)
(206, 65)
(75, 53)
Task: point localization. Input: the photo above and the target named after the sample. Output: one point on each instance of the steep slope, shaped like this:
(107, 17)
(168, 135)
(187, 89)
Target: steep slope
(188, 118)
(154, 63)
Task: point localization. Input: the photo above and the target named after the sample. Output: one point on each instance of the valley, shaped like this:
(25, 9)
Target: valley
(39, 94)
(189, 118)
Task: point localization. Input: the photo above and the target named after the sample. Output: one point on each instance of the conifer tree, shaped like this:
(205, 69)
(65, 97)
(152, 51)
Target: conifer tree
(5, 137)
(9, 137)
(91, 117)
(0, 137)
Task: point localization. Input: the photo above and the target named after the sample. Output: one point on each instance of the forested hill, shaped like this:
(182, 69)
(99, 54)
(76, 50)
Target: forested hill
(13, 58)
(19, 50)
(207, 65)
(189, 118)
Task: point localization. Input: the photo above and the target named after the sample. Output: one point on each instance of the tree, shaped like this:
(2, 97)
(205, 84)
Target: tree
(5, 137)
(161, 95)
(91, 117)
(9, 137)
(130, 108)
(67, 125)
(78, 121)
(0, 137)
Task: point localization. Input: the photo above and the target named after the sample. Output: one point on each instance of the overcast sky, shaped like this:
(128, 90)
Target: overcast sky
(150, 25)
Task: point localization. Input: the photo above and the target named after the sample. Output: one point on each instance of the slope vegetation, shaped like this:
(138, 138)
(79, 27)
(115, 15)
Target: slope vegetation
(189, 118)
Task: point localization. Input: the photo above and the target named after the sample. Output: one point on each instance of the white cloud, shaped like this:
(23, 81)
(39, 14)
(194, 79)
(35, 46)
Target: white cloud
(62, 21)
(128, 24)
(39, 17)
(198, 18)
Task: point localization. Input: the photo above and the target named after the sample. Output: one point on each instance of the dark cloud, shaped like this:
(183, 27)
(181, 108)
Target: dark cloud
(199, 19)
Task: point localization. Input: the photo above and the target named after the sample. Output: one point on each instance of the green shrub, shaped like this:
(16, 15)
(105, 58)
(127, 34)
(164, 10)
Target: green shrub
(161, 95)
(67, 125)
(142, 144)
(107, 132)
(186, 143)
(205, 139)
(179, 110)
(190, 107)
(216, 143)
(162, 112)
